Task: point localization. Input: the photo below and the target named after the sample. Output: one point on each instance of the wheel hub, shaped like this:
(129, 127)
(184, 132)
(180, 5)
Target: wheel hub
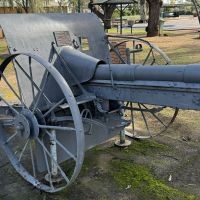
(26, 124)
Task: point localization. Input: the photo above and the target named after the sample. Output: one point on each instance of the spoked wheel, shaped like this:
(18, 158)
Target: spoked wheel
(137, 51)
(46, 152)
(147, 120)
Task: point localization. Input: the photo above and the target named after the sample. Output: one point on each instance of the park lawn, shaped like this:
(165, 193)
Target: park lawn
(9, 74)
(3, 46)
(181, 48)
(127, 31)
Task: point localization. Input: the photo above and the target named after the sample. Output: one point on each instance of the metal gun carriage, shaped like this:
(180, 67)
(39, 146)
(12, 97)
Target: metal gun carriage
(64, 96)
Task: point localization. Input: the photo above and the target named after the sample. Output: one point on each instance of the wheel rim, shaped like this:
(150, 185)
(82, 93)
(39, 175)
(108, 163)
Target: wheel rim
(149, 120)
(28, 128)
(149, 55)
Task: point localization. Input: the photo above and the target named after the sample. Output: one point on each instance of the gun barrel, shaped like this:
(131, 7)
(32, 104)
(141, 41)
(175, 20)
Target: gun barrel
(124, 72)
(87, 68)
(167, 85)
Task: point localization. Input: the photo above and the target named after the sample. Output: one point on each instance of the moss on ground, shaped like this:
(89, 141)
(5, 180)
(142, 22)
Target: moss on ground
(90, 160)
(146, 147)
(141, 181)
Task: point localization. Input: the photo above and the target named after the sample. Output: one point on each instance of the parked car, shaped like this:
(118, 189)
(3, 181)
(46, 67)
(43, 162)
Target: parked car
(171, 14)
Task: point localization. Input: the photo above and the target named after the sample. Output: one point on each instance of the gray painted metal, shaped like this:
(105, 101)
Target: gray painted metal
(49, 36)
(76, 60)
(175, 73)
(176, 95)
(101, 132)
(34, 33)
(78, 140)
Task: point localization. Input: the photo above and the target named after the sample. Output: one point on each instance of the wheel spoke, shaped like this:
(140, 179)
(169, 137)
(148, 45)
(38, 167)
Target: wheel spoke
(62, 146)
(155, 116)
(153, 62)
(126, 106)
(35, 85)
(31, 77)
(57, 128)
(49, 154)
(7, 124)
(145, 121)
(48, 168)
(12, 89)
(14, 110)
(37, 101)
(148, 55)
(10, 138)
(23, 150)
(17, 78)
(32, 159)
(132, 117)
(7, 119)
(53, 107)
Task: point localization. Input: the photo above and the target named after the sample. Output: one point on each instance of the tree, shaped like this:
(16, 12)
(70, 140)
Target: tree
(10, 3)
(154, 14)
(75, 6)
(31, 6)
(142, 7)
(27, 6)
(23, 4)
(105, 14)
(61, 4)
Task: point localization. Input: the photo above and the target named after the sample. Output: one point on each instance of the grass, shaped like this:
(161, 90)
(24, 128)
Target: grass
(146, 147)
(3, 46)
(141, 181)
(128, 31)
(139, 32)
(9, 73)
(182, 49)
(132, 17)
(5, 91)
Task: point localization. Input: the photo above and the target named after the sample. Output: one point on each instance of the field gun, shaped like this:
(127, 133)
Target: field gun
(61, 94)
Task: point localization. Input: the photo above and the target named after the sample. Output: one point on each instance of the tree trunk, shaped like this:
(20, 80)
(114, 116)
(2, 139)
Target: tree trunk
(153, 21)
(108, 12)
(106, 15)
(32, 6)
(142, 11)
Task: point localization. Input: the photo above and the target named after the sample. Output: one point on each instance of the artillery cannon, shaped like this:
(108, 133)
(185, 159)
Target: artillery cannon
(64, 97)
